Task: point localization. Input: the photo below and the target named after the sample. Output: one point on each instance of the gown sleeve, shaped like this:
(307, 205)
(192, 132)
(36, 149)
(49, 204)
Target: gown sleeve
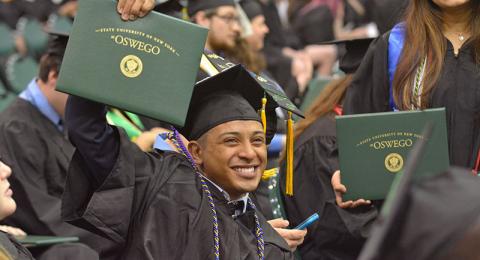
(369, 91)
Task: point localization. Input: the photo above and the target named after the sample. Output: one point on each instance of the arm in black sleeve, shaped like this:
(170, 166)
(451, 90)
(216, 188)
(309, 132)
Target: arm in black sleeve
(96, 141)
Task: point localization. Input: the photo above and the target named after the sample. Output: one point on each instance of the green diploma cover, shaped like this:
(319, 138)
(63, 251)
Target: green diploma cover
(148, 66)
(373, 149)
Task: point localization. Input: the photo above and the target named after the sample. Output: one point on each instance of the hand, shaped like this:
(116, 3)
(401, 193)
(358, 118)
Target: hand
(293, 237)
(13, 231)
(68, 9)
(132, 9)
(146, 139)
(340, 189)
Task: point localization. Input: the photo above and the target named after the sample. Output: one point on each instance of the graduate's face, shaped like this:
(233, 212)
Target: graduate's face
(234, 155)
(7, 204)
(260, 29)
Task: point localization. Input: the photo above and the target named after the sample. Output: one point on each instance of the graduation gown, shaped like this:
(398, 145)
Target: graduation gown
(152, 204)
(339, 233)
(13, 248)
(38, 154)
(458, 90)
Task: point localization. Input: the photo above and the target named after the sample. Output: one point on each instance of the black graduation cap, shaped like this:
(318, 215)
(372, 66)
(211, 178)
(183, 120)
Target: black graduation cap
(234, 93)
(199, 5)
(351, 52)
(57, 43)
(170, 7)
(426, 218)
(251, 8)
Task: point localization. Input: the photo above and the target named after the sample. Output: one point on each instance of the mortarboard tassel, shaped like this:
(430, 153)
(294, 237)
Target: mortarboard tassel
(263, 114)
(289, 157)
(268, 174)
(185, 16)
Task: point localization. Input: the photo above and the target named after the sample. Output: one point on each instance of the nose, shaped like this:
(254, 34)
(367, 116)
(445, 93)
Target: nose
(236, 27)
(5, 171)
(247, 152)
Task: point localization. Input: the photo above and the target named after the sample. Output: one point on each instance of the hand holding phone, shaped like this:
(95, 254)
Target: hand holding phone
(310, 220)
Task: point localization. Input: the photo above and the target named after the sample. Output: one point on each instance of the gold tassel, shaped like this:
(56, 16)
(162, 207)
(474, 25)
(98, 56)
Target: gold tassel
(263, 114)
(268, 174)
(289, 157)
(185, 16)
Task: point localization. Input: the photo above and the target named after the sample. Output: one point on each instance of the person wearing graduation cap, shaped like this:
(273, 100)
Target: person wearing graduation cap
(34, 144)
(425, 218)
(221, 18)
(192, 203)
(340, 233)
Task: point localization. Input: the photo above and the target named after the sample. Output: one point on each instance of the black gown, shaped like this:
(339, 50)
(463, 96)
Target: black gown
(150, 204)
(339, 233)
(38, 154)
(458, 90)
(13, 248)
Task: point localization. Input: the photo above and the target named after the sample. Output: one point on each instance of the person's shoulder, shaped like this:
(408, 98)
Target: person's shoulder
(322, 130)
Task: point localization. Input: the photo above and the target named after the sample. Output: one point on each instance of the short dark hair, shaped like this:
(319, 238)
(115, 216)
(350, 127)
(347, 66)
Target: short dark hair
(48, 62)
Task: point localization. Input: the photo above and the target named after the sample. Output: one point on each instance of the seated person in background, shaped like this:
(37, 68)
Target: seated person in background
(287, 66)
(11, 249)
(221, 18)
(340, 233)
(35, 146)
(249, 50)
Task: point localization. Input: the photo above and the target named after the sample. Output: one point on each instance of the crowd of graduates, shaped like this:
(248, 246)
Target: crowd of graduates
(131, 187)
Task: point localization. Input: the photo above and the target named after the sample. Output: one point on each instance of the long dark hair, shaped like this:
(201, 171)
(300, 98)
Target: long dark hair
(423, 24)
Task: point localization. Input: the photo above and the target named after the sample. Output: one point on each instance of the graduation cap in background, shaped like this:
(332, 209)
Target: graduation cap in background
(175, 8)
(251, 8)
(57, 43)
(200, 5)
(351, 52)
(253, 93)
(430, 218)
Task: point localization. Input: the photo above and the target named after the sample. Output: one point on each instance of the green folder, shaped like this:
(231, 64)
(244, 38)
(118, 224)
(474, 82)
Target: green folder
(147, 66)
(373, 149)
(34, 241)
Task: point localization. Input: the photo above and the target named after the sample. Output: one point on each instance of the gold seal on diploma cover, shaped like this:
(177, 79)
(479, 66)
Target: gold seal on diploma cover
(131, 66)
(394, 162)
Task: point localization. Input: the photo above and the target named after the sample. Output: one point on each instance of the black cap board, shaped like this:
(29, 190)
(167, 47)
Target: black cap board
(233, 94)
(251, 8)
(201, 5)
(351, 52)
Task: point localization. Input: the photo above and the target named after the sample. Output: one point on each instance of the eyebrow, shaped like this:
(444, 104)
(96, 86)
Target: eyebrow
(238, 133)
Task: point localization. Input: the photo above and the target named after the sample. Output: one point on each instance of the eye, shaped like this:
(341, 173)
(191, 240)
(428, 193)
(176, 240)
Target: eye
(260, 140)
(230, 141)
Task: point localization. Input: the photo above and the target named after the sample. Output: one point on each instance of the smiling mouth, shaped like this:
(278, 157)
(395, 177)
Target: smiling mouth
(246, 172)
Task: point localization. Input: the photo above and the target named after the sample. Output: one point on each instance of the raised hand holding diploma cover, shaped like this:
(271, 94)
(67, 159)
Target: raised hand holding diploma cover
(373, 149)
(147, 66)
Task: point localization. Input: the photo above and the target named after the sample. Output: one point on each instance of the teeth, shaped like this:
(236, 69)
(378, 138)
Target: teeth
(244, 170)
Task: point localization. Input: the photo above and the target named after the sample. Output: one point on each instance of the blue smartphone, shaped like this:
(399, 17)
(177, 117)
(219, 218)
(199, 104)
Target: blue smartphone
(310, 220)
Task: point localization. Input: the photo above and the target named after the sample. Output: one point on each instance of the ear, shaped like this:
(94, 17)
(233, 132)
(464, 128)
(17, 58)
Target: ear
(195, 149)
(52, 78)
(201, 19)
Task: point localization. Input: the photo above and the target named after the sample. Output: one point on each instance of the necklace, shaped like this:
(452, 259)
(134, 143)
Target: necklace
(461, 37)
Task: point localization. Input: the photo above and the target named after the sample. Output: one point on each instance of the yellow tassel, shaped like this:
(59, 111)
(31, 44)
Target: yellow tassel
(268, 174)
(289, 158)
(185, 16)
(264, 114)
